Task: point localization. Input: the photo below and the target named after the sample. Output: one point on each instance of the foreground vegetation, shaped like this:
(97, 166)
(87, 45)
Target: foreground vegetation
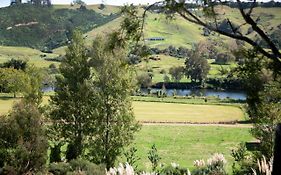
(185, 144)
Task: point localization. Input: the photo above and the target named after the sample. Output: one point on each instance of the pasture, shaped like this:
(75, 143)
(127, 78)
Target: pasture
(169, 112)
(174, 112)
(33, 56)
(184, 144)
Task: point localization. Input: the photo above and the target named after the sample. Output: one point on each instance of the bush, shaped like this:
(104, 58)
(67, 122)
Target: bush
(225, 58)
(144, 80)
(23, 143)
(174, 169)
(243, 161)
(75, 166)
(215, 166)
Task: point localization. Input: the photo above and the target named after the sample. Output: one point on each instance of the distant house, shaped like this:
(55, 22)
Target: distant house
(155, 39)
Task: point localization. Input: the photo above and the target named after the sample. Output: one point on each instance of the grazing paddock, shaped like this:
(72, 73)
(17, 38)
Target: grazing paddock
(184, 144)
(168, 112)
(175, 112)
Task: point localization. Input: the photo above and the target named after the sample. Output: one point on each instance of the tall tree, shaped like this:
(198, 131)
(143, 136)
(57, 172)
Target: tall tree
(112, 85)
(197, 66)
(176, 73)
(71, 114)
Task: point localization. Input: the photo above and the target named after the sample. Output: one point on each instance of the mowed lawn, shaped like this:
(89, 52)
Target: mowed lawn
(175, 112)
(168, 112)
(184, 144)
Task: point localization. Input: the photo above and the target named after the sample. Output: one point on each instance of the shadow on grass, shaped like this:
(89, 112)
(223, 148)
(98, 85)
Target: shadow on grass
(9, 98)
(245, 122)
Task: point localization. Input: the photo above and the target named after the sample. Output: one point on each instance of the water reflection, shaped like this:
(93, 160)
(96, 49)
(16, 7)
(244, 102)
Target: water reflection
(237, 95)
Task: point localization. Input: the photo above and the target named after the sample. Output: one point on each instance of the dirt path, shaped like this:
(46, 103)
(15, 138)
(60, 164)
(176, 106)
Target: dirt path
(196, 124)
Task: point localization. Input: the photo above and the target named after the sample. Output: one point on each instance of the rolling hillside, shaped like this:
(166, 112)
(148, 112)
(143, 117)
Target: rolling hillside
(176, 32)
(46, 28)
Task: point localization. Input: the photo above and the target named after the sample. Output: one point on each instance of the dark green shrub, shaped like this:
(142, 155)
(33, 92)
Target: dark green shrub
(173, 169)
(23, 143)
(75, 166)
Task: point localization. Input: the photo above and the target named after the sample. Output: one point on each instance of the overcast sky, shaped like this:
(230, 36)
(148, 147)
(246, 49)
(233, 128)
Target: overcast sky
(112, 2)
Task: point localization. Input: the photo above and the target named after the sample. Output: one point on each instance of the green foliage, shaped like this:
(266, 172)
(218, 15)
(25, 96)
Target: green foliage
(12, 80)
(176, 73)
(173, 169)
(132, 158)
(55, 155)
(112, 84)
(45, 28)
(197, 66)
(225, 58)
(267, 117)
(32, 89)
(154, 157)
(144, 80)
(253, 71)
(70, 108)
(15, 64)
(23, 143)
(131, 24)
(244, 161)
(75, 166)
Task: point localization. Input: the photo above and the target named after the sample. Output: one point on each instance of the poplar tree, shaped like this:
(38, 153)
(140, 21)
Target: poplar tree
(71, 116)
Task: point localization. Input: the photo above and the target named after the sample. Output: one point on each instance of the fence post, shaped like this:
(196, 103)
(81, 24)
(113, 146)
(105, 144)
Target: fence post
(277, 152)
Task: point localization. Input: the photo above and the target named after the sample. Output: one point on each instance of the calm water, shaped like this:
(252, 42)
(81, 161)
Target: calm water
(237, 95)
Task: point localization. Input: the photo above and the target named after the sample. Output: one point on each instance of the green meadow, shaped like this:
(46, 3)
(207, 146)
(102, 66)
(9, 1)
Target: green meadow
(184, 144)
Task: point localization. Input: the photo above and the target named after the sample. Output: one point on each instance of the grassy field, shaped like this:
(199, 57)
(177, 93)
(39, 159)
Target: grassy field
(33, 56)
(173, 112)
(184, 144)
(176, 32)
(168, 112)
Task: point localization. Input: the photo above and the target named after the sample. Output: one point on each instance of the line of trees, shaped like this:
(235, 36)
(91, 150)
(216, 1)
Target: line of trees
(90, 113)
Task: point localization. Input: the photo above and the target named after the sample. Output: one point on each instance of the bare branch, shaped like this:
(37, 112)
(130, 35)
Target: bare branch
(256, 28)
(254, 4)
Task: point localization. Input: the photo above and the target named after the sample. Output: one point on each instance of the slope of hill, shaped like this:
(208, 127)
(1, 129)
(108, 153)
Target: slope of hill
(46, 28)
(179, 32)
(176, 32)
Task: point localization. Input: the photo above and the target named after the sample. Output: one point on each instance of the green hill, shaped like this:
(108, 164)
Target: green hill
(179, 32)
(46, 28)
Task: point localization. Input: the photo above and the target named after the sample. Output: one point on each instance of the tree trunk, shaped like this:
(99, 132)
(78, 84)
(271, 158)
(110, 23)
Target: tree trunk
(277, 152)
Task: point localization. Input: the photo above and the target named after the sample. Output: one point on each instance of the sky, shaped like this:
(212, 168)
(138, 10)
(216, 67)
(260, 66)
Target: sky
(4, 3)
